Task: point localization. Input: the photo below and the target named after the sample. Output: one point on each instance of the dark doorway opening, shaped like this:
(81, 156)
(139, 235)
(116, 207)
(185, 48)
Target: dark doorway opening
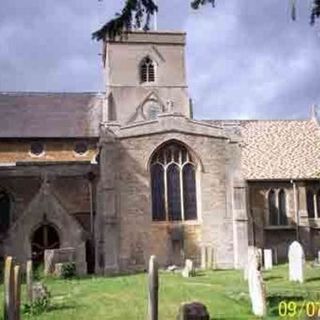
(90, 256)
(45, 237)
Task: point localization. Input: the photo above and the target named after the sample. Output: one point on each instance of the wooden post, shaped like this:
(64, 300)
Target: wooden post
(17, 292)
(153, 279)
(8, 311)
(29, 280)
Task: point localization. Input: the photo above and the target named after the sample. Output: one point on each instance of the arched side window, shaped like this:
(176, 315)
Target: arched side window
(173, 184)
(273, 210)
(310, 204)
(318, 204)
(283, 220)
(4, 211)
(147, 70)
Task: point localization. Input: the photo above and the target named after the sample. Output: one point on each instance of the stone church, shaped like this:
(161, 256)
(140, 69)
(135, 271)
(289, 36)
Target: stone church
(129, 172)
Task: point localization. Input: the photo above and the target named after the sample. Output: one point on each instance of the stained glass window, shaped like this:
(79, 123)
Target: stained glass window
(174, 192)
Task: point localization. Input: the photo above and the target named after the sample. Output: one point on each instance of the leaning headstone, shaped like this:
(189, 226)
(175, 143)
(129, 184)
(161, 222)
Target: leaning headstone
(267, 255)
(153, 279)
(188, 270)
(296, 262)
(252, 253)
(193, 311)
(8, 310)
(29, 280)
(256, 287)
(17, 292)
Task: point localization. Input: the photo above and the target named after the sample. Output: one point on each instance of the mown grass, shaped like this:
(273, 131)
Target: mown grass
(225, 293)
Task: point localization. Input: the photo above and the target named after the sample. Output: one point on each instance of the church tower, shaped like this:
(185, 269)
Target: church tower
(145, 75)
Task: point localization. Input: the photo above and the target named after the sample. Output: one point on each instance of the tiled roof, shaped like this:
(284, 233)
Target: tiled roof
(279, 149)
(50, 115)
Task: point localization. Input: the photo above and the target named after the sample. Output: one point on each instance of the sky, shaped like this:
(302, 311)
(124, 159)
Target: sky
(245, 59)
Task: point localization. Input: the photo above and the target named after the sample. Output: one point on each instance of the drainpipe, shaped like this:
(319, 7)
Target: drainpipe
(296, 208)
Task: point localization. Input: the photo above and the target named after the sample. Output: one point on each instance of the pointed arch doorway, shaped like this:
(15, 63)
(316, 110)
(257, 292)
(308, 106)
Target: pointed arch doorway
(43, 238)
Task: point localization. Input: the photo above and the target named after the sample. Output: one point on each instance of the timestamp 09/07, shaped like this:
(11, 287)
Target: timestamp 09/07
(292, 308)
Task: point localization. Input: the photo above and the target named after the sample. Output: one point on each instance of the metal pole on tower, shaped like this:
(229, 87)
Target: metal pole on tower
(155, 18)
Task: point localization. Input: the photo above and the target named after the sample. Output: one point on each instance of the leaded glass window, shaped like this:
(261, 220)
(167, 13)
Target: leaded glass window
(173, 184)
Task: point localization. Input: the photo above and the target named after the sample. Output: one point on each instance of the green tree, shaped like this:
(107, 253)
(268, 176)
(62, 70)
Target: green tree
(139, 12)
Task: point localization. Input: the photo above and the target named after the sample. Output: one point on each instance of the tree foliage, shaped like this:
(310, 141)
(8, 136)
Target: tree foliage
(137, 13)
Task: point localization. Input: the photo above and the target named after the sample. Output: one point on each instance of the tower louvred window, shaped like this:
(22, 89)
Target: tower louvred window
(147, 70)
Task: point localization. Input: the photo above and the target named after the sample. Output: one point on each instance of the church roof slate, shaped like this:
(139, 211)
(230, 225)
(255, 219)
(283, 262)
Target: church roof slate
(278, 149)
(50, 115)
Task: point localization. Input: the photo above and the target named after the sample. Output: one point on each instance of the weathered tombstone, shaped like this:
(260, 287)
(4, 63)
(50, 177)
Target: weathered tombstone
(48, 262)
(203, 258)
(318, 256)
(296, 262)
(193, 311)
(153, 279)
(267, 253)
(29, 280)
(256, 286)
(188, 270)
(39, 291)
(8, 290)
(252, 252)
(17, 292)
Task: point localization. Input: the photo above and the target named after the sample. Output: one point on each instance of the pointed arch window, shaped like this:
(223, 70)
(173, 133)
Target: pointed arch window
(273, 210)
(277, 204)
(5, 205)
(310, 204)
(147, 70)
(173, 184)
(282, 207)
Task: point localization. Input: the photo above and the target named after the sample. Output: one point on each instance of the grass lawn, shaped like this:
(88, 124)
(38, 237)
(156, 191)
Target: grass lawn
(225, 293)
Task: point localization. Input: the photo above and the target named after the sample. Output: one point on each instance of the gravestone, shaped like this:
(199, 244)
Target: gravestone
(29, 280)
(153, 281)
(318, 256)
(17, 292)
(267, 254)
(188, 270)
(209, 257)
(253, 252)
(65, 255)
(203, 258)
(296, 262)
(39, 291)
(193, 311)
(8, 311)
(256, 286)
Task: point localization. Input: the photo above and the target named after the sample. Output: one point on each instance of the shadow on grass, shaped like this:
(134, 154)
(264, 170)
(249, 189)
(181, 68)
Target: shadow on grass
(58, 307)
(313, 279)
(271, 278)
(274, 301)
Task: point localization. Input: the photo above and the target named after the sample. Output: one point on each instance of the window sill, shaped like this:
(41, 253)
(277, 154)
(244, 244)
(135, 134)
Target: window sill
(176, 223)
(287, 227)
